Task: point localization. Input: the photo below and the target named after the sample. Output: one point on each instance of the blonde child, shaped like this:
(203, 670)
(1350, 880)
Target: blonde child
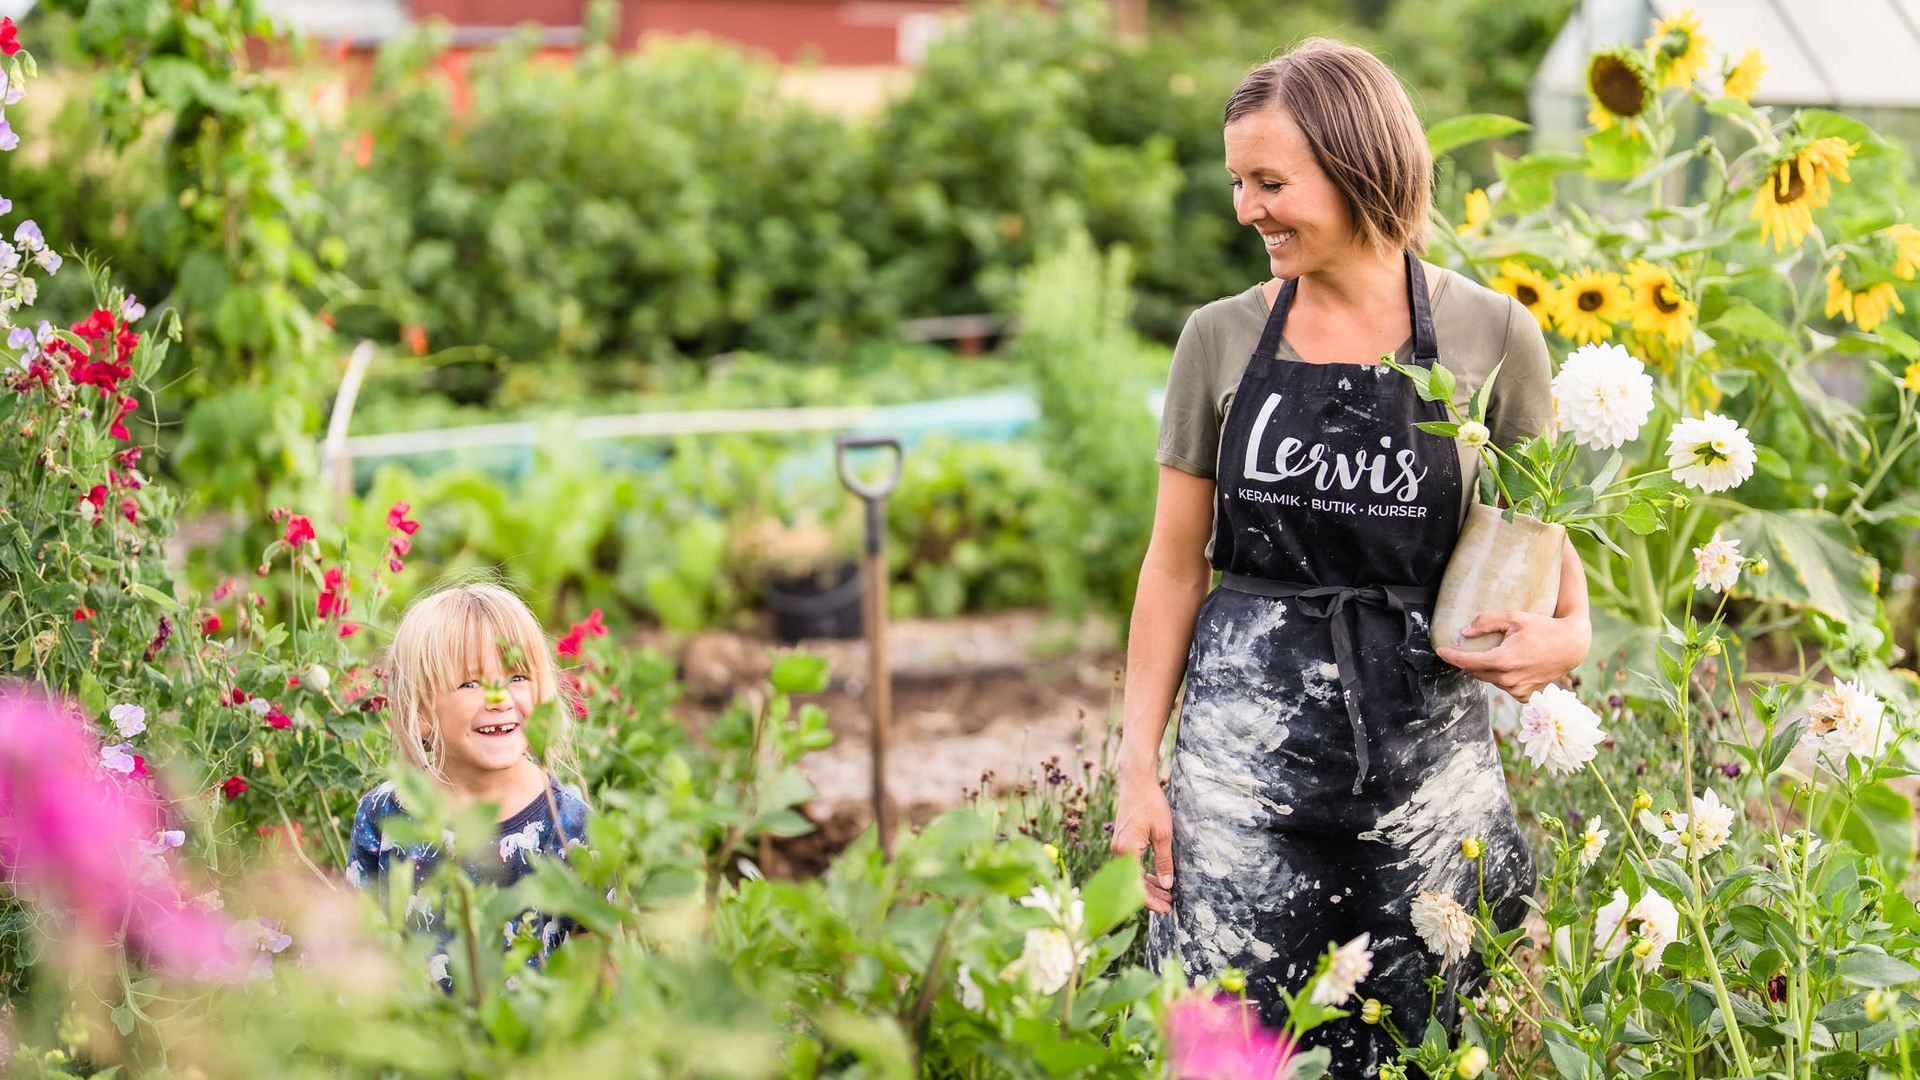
(466, 670)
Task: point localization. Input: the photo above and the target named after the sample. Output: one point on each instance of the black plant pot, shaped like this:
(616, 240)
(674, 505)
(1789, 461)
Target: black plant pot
(823, 604)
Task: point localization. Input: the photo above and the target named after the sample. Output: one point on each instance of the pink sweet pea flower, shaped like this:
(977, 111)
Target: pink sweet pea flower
(69, 838)
(1223, 1039)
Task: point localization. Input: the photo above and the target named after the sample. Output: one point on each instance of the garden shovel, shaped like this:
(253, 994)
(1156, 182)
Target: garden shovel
(873, 595)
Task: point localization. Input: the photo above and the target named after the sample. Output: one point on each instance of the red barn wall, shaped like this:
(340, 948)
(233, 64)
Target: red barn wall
(851, 32)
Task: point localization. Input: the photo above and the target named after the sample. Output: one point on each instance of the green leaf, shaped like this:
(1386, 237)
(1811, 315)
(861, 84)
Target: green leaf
(1113, 894)
(1816, 564)
(1310, 1064)
(1446, 429)
(1455, 132)
(876, 1040)
(1640, 517)
(1529, 179)
(1780, 744)
(1746, 320)
(799, 673)
(1874, 969)
(1615, 154)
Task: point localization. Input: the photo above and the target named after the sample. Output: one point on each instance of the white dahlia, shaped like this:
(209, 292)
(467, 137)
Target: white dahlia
(1716, 564)
(1443, 925)
(1849, 719)
(1349, 964)
(1602, 395)
(1558, 731)
(1649, 925)
(1710, 452)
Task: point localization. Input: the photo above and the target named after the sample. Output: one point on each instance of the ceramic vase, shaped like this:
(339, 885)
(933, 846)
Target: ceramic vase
(1497, 565)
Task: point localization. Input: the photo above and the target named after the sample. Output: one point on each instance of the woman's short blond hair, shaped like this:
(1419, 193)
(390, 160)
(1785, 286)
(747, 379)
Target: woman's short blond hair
(442, 641)
(1357, 117)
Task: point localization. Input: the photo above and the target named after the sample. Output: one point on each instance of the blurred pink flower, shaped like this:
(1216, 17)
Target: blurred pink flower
(69, 837)
(1223, 1039)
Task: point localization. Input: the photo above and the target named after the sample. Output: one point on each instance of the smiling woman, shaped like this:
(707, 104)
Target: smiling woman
(1332, 761)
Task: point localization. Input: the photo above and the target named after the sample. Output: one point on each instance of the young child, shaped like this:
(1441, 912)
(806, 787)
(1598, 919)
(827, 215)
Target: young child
(467, 667)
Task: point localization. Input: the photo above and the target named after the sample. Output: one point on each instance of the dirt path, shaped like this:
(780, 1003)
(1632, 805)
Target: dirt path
(988, 694)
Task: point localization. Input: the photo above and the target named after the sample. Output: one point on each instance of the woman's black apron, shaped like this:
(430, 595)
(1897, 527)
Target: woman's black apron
(1328, 764)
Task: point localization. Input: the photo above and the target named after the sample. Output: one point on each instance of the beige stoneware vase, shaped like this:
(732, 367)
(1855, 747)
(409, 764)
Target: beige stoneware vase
(1497, 565)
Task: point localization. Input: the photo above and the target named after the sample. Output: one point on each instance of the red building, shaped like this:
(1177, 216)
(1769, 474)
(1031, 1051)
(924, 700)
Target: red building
(831, 33)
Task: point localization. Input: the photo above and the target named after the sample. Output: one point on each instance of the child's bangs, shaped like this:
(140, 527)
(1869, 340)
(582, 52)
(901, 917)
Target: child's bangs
(455, 644)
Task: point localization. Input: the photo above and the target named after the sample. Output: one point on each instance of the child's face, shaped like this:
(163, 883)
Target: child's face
(483, 721)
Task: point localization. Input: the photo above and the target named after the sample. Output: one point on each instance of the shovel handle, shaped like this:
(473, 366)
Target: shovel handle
(844, 460)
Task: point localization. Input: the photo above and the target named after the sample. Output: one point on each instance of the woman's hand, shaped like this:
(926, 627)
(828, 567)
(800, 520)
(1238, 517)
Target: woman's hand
(1538, 650)
(1142, 819)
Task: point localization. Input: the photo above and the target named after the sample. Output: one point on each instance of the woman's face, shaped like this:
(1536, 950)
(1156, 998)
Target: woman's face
(1278, 189)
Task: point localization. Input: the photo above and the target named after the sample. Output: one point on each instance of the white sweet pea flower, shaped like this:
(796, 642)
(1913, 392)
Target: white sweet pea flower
(1849, 719)
(970, 994)
(1602, 395)
(128, 719)
(49, 260)
(1443, 925)
(1716, 564)
(1558, 731)
(1474, 434)
(1349, 964)
(1710, 452)
(115, 758)
(1649, 925)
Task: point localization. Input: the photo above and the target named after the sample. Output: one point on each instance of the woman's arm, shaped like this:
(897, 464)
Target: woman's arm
(1537, 649)
(1173, 581)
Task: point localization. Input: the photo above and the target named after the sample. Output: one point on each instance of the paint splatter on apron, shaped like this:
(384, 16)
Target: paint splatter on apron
(1328, 764)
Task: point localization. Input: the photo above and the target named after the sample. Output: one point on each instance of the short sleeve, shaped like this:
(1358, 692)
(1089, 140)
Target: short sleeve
(1520, 404)
(1190, 420)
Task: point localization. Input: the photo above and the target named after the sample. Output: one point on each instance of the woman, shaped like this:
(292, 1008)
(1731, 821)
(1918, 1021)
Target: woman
(1328, 763)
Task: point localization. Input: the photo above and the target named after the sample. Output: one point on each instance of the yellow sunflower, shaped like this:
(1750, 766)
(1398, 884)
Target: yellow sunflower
(1679, 48)
(1906, 249)
(1622, 88)
(1528, 286)
(1912, 380)
(1479, 208)
(1796, 186)
(1866, 308)
(1588, 303)
(1744, 80)
(1658, 305)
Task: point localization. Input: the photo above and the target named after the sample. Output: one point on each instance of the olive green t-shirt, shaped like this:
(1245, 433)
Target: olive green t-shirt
(1475, 328)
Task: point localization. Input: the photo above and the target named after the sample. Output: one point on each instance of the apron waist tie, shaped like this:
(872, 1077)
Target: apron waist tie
(1331, 602)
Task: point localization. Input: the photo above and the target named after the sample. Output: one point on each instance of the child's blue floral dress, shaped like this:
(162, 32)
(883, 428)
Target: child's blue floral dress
(533, 830)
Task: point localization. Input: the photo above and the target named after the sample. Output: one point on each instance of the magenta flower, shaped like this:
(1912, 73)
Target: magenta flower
(69, 838)
(1223, 1039)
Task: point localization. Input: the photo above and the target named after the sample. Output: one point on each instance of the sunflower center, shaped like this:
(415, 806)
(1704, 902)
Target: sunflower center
(1789, 186)
(1526, 294)
(1675, 44)
(1591, 299)
(1666, 300)
(1616, 86)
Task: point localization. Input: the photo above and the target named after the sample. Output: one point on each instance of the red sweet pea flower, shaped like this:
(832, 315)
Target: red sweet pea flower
(9, 36)
(98, 497)
(579, 632)
(119, 428)
(396, 565)
(210, 625)
(299, 530)
(130, 510)
(332, 599)
(233, 787)
(83, 613)
(397, 518)
(139, 766)
(236, 696)
(348, 629)
(278, 720)
(225, 589)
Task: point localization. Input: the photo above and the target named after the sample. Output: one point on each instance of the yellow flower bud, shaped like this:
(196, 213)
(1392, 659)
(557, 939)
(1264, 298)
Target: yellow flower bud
(1643, 948)
(1470, 847)
(1233, 980)
(1879, 1003)
(1760, 566)
(1714, 648)
(1642, 800)
(1472, 1063)
(1371, 1010)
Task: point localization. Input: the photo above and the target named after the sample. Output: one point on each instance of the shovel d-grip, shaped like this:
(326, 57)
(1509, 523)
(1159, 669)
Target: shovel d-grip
(873, 570)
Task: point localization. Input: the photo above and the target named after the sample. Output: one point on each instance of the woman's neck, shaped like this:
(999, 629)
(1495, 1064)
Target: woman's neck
(1368, 283)
(508, 789)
